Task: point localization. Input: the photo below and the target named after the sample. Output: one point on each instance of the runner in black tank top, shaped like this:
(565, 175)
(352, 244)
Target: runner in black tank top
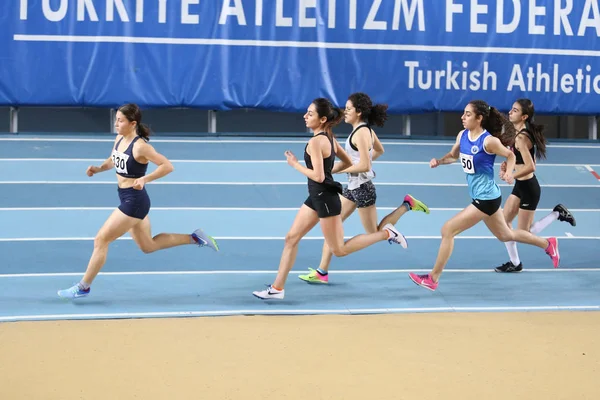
(518, 154)
(527, 187)
(363, 146)
(323, 205)
(525, 197)
(323, 197)
(329, 184)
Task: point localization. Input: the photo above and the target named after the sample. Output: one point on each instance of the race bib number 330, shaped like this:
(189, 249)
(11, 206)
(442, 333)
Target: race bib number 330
(120, 161)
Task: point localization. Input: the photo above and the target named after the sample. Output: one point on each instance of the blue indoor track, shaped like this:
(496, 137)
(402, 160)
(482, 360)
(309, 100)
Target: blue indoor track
(242, 192)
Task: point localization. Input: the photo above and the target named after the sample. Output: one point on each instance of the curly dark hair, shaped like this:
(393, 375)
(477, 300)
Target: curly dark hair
(371, 114)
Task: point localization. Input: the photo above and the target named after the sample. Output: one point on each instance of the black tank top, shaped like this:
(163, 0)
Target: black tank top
(329, 184)
(518, 154)
(125, 164)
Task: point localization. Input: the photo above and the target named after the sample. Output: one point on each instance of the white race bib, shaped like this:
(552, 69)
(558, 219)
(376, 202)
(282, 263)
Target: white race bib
(466, 161)
(120, 161)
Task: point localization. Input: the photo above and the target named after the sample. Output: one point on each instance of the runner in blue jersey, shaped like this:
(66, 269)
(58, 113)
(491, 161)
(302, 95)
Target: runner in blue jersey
(477, 147)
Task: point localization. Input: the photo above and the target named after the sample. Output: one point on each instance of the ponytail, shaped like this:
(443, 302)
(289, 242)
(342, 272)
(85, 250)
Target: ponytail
(143, 131)
(538, 139)
(494, 122)
(333, 114)
(378, 115)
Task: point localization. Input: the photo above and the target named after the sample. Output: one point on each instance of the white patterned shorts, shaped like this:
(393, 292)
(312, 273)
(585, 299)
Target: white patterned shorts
(363, 196)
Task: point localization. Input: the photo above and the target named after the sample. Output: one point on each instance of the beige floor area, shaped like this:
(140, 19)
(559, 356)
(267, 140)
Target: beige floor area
(375, 357)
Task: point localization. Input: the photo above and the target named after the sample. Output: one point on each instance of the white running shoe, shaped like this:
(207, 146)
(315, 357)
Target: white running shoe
(269, 293)
(395, 236)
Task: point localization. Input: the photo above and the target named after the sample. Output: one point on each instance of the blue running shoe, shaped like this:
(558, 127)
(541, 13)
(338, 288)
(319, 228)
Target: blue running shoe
(202, 239)
(73, 292)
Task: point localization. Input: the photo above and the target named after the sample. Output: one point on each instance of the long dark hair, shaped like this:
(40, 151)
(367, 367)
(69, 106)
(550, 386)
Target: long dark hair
(133, 113)
(371, 114)
(494, 122)
(535, 131)
(333, 114)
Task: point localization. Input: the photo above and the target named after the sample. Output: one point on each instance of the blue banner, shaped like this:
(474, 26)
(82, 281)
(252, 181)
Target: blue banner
(414, 55)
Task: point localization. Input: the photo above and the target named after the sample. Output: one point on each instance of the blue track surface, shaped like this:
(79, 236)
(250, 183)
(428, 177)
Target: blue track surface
(243, 193)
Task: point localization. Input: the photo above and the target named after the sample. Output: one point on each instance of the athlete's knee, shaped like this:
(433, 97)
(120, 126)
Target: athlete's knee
(339, 251)
(372, 228)
(505, 236)
(147, 248)
(292, 239)
(101, 240)
(149, 245)
(448, 230)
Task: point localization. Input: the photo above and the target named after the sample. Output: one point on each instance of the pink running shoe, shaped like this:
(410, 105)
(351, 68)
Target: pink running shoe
(314, 277)
(425, 281)
(552, 251)
(415, 205)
